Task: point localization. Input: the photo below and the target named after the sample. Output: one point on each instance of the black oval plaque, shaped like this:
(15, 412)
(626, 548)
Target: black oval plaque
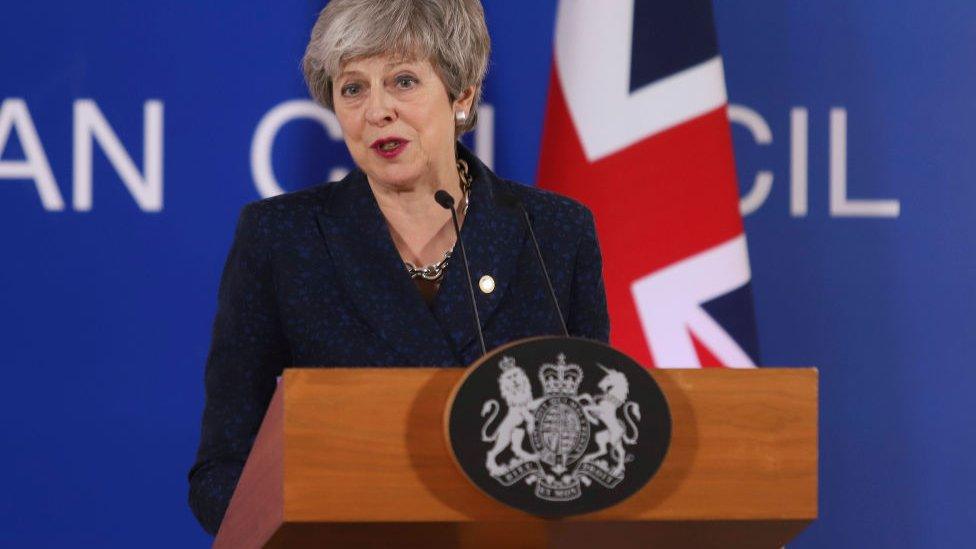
(558, 426)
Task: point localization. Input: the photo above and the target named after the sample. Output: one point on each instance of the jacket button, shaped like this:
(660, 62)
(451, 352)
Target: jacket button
(487, 284)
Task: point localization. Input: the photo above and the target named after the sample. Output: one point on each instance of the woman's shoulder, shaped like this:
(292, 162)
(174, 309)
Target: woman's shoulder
(329, 197)
(547, 205)
(282, 217)
(310, 198)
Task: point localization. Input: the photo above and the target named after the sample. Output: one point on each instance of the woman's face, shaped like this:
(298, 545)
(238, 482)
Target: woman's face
(397, 119)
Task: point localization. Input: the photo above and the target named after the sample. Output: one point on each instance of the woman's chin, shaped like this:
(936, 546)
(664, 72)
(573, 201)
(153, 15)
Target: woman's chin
(395, 177)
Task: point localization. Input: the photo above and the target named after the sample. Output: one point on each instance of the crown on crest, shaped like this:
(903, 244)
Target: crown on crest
(560, 379)
(507, 363)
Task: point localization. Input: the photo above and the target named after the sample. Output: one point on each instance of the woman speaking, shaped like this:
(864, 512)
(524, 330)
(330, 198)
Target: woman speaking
(364, 271)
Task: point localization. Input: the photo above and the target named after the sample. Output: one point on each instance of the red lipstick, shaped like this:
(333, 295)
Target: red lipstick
(389, 147)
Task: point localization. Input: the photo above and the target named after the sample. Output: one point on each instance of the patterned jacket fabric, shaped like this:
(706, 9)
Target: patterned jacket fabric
(313, 279)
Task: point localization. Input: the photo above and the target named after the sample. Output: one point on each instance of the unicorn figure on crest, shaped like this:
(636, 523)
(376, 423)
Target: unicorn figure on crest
(603, 410)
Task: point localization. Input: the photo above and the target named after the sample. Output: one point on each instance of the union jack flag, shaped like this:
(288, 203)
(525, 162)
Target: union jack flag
(636, 128)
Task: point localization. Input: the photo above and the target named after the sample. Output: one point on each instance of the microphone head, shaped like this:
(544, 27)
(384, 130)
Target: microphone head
(445, 199)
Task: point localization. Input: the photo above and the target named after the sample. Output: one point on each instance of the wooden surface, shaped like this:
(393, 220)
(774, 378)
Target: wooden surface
(538, 535)
(255, 513)
(362, 460)
(365, 445)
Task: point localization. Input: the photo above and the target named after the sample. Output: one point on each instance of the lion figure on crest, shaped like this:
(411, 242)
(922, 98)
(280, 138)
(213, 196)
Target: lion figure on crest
(516, 389)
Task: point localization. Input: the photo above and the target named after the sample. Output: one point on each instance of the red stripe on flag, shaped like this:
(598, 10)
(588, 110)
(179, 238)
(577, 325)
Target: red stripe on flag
(705, 357)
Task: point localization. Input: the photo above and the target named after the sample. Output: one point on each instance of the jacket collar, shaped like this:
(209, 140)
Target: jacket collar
(372, 273)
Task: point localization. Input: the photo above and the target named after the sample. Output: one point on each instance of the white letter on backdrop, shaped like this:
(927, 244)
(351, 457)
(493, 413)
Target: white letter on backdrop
(147, 187)
(840, 205)
(263, 141)
(14, 115)
(484, 135)
(799, 150)
(762, 135)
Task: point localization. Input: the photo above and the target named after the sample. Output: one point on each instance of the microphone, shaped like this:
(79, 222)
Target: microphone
(446, 201)
(509, 199)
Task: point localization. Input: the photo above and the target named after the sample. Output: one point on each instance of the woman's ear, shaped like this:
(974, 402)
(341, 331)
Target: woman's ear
(464, 101)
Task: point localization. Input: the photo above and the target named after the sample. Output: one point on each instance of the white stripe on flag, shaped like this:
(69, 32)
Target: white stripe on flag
(669, 304)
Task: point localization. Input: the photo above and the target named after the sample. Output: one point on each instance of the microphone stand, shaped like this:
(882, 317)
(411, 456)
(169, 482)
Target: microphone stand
(446, 201)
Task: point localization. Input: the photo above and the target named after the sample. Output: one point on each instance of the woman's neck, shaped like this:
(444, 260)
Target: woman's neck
(421, 229)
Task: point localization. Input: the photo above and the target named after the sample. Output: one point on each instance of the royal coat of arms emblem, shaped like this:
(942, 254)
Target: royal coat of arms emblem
(559, 423)
(557, 427)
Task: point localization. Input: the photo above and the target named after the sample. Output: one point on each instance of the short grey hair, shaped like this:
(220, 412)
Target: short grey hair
(451, 34)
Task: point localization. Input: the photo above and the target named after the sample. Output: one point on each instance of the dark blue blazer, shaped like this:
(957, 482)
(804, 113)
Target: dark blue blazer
(313, 279)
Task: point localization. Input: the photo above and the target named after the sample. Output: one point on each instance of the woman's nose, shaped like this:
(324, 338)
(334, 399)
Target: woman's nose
(380, 110)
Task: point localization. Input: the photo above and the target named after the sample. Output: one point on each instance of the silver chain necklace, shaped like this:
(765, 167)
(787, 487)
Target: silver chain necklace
(431, 272)
(435, 271)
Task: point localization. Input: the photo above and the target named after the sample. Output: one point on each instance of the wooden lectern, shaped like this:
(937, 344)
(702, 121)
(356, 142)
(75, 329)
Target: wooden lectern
(358, 458)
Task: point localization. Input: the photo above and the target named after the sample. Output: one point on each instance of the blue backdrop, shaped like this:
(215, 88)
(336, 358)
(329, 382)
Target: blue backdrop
(852, 124)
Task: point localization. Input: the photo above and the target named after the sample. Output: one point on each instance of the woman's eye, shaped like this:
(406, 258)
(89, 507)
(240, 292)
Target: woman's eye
(406, 82)
(350, 90)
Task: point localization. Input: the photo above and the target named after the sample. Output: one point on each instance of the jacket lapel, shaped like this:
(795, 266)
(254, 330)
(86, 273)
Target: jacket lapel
(370, 269)
(493, 236)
